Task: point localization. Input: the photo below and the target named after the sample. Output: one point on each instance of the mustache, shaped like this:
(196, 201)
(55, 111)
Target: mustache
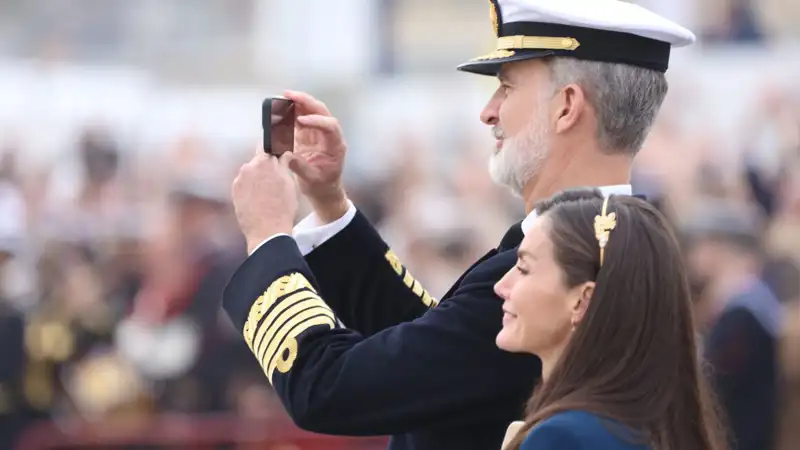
(498, 132)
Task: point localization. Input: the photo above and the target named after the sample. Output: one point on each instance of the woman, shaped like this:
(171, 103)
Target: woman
(600, 294)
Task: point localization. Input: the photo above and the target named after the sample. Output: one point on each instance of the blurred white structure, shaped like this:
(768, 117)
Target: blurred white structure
(156, 71)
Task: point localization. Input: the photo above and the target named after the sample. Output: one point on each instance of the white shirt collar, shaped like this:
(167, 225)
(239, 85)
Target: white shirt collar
(617, 189)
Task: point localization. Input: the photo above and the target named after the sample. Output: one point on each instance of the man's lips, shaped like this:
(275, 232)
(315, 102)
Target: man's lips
(499, 138)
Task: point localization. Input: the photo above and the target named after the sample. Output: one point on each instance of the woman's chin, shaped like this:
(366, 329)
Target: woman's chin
(505, 341)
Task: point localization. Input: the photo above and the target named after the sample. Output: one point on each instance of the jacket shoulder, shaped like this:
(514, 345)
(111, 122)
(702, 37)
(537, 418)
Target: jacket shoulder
(490, 270)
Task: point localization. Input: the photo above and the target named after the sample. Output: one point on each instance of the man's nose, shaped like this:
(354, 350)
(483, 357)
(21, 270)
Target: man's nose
(490, 113)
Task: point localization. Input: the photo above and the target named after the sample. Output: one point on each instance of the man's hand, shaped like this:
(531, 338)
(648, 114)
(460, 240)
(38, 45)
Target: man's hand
(318, 160)
(265, 198)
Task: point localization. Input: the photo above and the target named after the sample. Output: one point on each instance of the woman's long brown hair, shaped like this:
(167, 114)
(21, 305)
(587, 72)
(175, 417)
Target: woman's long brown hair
(634, 357)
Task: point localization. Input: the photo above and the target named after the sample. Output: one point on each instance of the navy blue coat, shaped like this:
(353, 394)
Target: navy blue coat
(578, 430)
(426, 372)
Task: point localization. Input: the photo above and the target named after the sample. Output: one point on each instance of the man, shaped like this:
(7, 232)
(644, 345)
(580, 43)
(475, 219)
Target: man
(574, 105)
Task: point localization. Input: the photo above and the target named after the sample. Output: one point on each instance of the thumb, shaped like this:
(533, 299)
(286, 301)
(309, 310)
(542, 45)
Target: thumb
(300, 167)
(284, 159)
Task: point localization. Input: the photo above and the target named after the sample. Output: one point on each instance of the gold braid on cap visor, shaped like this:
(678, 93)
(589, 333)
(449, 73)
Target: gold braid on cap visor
(603, 224)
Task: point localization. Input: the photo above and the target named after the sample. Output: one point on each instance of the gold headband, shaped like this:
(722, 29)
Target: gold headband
(603, 224)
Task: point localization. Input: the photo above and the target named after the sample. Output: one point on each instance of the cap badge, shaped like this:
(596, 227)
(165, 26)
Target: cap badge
(493, 17)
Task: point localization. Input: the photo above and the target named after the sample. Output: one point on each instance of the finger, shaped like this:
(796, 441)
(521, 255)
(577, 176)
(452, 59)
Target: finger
(283, 163)
(307, 103)
(235, 183)
(257, 166)
(269, 162)
(305, 139)
(324, 123)
(259, 151)
(284, 159)
(246, 167)
(302, 168)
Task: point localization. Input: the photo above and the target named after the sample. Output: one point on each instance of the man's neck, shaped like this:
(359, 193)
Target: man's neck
(604, 171)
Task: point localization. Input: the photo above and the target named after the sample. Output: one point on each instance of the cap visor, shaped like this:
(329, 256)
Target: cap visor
(486, 65)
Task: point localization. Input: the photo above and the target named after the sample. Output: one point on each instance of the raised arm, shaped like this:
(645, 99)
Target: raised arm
(439, 370)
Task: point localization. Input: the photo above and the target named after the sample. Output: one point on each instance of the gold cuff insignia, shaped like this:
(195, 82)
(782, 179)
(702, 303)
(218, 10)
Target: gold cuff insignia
(289, 307)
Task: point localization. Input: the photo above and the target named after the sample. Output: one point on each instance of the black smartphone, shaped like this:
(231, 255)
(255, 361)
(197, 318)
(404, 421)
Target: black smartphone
(277, 120)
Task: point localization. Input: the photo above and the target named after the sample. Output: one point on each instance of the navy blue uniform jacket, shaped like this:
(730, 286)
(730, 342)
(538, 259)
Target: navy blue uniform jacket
(426, 372)
(578, 430)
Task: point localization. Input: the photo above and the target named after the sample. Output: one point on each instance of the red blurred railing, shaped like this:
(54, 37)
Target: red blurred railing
(185, 432)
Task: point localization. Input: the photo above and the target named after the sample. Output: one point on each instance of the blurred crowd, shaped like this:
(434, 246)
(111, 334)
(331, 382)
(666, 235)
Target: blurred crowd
(111, 291)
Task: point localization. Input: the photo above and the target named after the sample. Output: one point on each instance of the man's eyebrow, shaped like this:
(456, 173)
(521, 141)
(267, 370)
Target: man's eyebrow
(503, 77)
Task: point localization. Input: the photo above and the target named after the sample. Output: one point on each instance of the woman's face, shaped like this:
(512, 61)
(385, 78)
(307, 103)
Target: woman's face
(538, 307)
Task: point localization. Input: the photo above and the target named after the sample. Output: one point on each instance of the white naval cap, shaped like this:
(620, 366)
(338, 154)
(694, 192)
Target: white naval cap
(596, 30)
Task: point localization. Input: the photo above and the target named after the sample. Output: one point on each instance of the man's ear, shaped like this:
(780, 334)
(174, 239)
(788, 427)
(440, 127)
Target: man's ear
(570, 105)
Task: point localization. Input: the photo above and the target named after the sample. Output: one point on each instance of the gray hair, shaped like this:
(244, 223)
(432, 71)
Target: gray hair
(626, 99)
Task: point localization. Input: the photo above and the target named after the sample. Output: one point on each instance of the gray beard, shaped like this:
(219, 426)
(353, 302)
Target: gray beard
(521, 157)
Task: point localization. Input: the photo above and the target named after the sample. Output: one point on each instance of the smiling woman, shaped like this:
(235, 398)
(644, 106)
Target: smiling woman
(599, 293)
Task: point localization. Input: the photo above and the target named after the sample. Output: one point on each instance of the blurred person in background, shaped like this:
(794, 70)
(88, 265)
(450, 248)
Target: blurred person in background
(89, 205)
(789, 412)
(771, 150)
(741, 318)
(586, 263)
(172, 334)
(771, 170)
(735, 21)
(16, 412)
(772, 177)
(87, 273)
(74, 370)
(784, 242)
(576, 100)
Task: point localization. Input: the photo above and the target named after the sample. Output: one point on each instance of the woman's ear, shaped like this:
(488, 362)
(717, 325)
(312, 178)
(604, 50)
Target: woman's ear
(583, 295)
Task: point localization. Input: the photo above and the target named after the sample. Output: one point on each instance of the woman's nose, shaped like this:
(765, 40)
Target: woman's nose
(501, 288)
